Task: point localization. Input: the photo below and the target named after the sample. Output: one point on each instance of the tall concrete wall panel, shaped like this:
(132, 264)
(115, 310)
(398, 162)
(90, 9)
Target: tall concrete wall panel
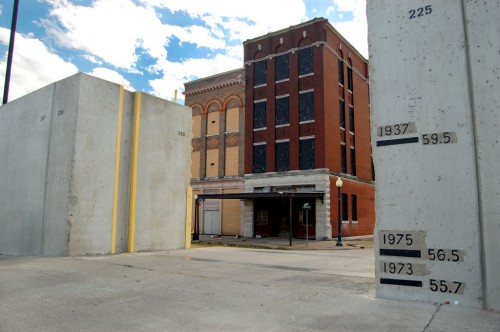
(164, 170)
(92, 185)
(434, 79)
(24, 144)
(62, 115)
(58, 147)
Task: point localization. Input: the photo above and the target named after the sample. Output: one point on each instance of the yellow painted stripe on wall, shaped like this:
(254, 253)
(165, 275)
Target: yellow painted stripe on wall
(117, 170)
(133, 172)
(189, 214)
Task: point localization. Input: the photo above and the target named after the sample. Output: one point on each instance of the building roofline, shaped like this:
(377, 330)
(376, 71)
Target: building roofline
(191, 88)
(293, 27)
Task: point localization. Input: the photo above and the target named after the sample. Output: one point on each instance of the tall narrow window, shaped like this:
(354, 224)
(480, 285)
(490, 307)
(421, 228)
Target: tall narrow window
(306, 106)
(342, 113)
(349, 78)
(282, 69)
(260, 72)
(354, 208)
(351, 119)
(306, 63)
(373, 170)
(259, 115)
(345, 212)
(282, 156)
(343, 158)
(259, 158)
(341, 71)
(306, 153)
(353, 161)
(282, 111)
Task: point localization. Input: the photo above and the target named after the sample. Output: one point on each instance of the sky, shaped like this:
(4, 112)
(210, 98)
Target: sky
(153, 46)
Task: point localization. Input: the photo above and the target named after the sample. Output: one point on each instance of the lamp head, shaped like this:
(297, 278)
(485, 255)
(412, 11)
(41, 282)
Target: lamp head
(339, 183)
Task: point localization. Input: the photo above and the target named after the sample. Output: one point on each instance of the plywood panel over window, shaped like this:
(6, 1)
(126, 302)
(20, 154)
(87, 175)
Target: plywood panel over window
(197, 126)
(212, 163)
(232, 160)
(233, 120)
(231, 214)
(213, 123)
(195, 164)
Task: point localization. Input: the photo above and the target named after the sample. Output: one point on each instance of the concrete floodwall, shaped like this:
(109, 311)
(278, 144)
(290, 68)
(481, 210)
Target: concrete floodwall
(73, 153)
(434, 82)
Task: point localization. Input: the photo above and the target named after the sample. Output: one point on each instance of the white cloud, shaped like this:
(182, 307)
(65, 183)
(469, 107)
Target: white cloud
(355, 31)
(253, 19)
(112, 76)
(111, 30)
(33, 65)
(176, 74)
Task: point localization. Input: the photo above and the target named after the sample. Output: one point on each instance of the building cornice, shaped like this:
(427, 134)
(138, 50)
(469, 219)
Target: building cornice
(218, 85)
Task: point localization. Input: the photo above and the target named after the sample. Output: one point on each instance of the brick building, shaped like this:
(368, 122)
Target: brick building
(217, 104)
(307, 122)
(304, 121)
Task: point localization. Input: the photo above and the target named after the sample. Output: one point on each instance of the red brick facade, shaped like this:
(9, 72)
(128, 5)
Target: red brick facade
(327, 48)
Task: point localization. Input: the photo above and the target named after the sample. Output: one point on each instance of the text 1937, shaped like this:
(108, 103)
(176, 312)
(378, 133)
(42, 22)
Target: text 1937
(397, 129)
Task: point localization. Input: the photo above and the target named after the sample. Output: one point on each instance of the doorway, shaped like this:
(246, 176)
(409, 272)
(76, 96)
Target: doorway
(211, 222)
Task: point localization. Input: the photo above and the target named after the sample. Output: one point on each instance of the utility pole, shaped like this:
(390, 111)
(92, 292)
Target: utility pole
(11, 51)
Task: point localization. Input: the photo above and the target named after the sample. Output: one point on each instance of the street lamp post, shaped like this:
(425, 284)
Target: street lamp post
(339, 183)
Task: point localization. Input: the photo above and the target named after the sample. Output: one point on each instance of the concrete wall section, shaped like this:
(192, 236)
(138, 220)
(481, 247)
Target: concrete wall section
(58, 150)
(60, 157)
(484, 50)
(163, 174)
(93, 167)
(24, 145)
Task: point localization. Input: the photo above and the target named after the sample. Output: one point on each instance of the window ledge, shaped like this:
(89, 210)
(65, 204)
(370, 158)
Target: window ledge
(305, 75)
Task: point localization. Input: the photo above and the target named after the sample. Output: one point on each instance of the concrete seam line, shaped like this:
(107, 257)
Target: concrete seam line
(133, 171)
(432, 318)
(117, 170)
(477, 161)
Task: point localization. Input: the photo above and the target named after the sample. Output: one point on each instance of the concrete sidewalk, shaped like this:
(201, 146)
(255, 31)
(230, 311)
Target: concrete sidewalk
(215, 289)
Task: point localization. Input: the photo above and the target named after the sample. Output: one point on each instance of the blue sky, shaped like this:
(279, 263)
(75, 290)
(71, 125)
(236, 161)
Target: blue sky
(152, 46)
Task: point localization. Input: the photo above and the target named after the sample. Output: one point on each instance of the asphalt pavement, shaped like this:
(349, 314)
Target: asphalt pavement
(216, 288)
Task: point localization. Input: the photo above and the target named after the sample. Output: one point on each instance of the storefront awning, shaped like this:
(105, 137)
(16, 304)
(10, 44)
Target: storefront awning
(261, 195)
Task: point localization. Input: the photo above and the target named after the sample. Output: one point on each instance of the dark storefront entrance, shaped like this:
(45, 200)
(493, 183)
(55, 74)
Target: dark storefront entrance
(272, 217)
(272, 212)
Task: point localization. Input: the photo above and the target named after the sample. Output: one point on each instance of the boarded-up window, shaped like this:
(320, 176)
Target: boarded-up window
(232, 160)
(195, 164)
(233, 120)
(197, 126)
(213, 123)
(212, 163)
